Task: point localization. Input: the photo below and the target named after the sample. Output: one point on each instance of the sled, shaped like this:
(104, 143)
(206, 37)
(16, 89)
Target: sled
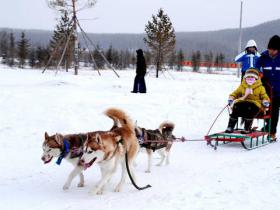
(249, 141)
(255, 139)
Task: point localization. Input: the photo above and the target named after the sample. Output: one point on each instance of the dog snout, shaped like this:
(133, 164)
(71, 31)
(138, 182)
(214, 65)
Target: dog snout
(81, 162)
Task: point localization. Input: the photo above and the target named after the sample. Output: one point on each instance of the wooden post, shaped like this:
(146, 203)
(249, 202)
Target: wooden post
(240, 37)
(76, 53)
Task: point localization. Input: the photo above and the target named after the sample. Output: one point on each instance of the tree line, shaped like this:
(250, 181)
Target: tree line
(160, 39)
(22, 54)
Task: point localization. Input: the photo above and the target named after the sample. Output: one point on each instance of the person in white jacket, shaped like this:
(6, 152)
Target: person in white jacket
(249, 57)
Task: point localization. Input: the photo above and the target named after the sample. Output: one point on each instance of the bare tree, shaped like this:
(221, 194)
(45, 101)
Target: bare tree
(72, 7)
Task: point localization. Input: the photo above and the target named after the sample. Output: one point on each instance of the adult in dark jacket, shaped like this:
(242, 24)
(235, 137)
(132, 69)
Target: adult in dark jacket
(139, 81)
(269, 63)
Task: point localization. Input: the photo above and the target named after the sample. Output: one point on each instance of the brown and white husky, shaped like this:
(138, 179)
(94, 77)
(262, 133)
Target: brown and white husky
(109, 148)
(68, 147)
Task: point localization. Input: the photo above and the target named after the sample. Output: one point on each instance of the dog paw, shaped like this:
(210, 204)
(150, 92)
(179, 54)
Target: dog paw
(93, 192)
(100, 192)
(148, 171)
(159, 164)
(81, 185)
(65, 187)
(118, 189)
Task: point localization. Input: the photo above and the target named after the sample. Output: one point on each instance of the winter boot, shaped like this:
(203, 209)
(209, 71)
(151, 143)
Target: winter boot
(231, 124)
(273, 137)
(265, 127)
(247, 126)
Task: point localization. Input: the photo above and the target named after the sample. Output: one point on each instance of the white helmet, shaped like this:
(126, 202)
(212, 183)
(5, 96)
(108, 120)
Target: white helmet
(251, 43)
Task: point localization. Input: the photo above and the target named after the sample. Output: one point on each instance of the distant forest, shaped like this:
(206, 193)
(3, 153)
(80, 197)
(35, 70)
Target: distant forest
(122, 46)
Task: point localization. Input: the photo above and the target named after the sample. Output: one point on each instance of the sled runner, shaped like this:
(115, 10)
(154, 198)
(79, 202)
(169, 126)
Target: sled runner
(248, 141)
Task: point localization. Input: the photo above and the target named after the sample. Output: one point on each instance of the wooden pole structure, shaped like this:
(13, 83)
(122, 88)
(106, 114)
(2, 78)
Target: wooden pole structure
(76, 50)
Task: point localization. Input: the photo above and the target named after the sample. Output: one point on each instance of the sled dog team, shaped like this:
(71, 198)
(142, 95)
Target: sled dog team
(108, 149)
(121, 143)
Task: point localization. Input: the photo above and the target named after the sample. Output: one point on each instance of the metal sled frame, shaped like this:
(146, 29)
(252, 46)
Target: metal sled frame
(249, 141)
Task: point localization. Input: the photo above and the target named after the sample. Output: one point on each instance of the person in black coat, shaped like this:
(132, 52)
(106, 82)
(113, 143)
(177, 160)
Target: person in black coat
(139, 81)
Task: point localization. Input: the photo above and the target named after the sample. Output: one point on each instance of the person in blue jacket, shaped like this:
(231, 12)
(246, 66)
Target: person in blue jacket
(249, 57)
(269, 63)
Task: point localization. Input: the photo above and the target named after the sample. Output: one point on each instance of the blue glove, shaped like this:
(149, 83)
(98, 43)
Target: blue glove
(230, 101)
(266, 104)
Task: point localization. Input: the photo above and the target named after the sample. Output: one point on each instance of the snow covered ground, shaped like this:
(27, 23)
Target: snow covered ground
(197, 178)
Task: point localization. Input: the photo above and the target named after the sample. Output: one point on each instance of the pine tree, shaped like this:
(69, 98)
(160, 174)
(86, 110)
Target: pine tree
(32, 58)
(148, 57)
(209, 61)
(222, 60)
(22, 47)
(172, 60)
(11, 50)
(61, 34)
(219, 61)
(109, 54)
(160, 38)
(99, 60)
(196, 59)
(116, 59)
(42, 56)
(4, 47)
(180, 60)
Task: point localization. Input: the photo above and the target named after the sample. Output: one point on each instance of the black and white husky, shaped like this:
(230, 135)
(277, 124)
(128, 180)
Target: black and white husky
(159, 140)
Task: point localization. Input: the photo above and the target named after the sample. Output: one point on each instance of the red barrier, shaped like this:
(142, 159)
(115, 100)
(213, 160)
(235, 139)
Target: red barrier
(206, 64)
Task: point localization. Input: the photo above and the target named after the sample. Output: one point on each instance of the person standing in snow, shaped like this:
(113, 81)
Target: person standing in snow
(269, 63)
(247, 101)
(249, 57)
(139, 81)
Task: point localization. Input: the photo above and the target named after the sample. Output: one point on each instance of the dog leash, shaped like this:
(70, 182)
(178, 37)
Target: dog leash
(182, 139)
(130, 176)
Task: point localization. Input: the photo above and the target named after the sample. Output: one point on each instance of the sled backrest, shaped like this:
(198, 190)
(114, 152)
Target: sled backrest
(267, 114)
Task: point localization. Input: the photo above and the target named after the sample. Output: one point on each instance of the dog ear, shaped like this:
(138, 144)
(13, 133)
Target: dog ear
(46, 135)
(118, 138)
(98, 139)
(59, 138)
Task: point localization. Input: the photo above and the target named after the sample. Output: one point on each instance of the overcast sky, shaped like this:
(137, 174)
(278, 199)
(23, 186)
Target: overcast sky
(130, 16)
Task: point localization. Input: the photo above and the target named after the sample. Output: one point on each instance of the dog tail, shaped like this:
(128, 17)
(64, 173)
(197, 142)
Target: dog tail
(118, 115)
(166, 124)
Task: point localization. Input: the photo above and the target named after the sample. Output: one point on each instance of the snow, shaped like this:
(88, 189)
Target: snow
(197, 178)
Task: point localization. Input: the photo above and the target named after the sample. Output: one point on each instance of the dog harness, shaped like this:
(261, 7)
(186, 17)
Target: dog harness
(65, 151)
(148, 142)
(141, 138)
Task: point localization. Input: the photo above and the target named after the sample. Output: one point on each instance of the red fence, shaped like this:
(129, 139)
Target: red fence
(206, 64)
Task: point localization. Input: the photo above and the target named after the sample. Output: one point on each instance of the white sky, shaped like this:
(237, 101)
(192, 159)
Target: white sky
(130, 16)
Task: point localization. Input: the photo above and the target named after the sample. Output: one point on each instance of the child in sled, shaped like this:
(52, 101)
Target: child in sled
(247, 101)
(249, 57)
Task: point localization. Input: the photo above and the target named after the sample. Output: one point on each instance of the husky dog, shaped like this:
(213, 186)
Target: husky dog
(159, 140)
(68, 147)
(110, 148)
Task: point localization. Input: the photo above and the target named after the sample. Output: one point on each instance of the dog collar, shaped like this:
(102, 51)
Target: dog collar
(141, 138)
(65, 151)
